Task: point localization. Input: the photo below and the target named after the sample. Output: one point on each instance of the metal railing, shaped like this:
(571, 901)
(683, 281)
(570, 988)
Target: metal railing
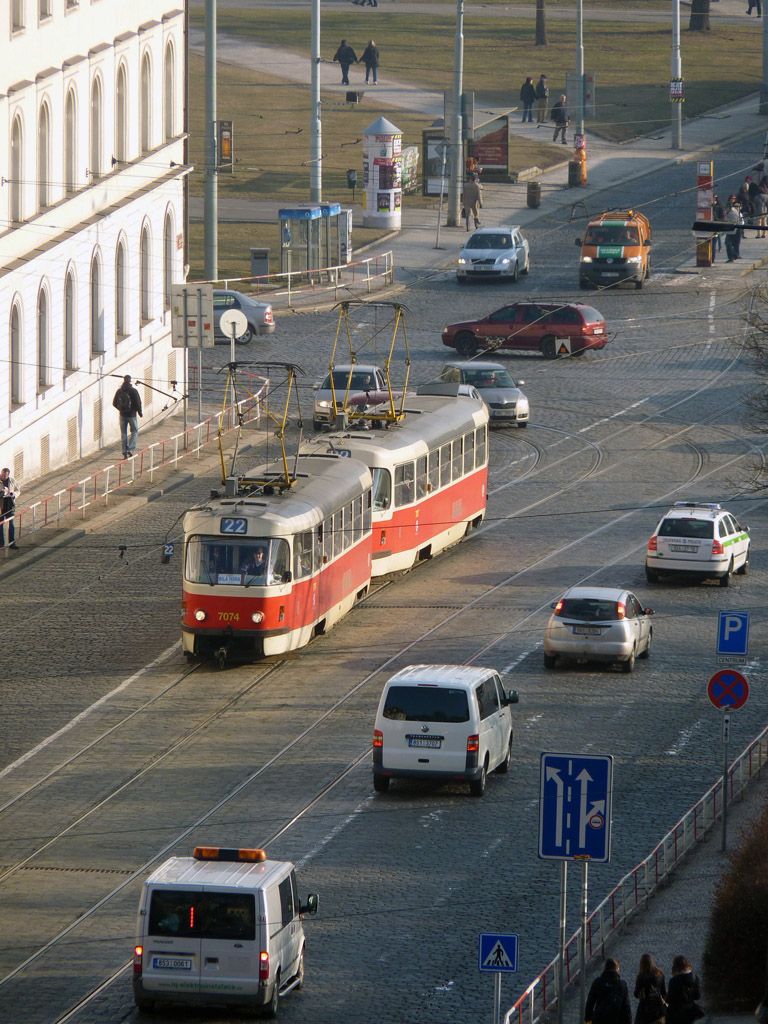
(97, 487)
(632, 892)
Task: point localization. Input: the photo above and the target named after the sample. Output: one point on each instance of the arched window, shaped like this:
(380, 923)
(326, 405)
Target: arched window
(144, 275)
(70, 352)
(96, 117)
(17, 170)
(169, 92)
(121, 115)
(121, 290)
(97, 309)
(145, 113)
(16, 361)
(43, 357)
(70, 143)
(168, 242)
(43, 157)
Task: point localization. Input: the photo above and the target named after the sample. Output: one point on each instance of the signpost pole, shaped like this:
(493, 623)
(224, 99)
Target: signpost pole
(444, 148)
(497, 999)
(583, 937)
(199, 356)
(561, 960)
(726, 730)
(186, 361)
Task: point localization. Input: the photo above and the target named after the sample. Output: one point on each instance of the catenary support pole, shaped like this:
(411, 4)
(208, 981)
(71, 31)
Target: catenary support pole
(444, 150)
(583, 936)
(455, 140)
(211, 196)
(764, 84)
(316, 147)
(561, 944)
(676, 112)
(580, 67)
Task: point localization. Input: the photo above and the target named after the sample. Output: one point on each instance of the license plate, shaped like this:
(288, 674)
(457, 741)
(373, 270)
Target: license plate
(434, 742)
(587, 630)
(690, 549)
(598, 330)
(171, 963)
(610, 273)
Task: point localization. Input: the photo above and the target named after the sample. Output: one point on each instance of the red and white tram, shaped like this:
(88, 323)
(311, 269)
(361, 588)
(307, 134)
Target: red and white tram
(266, 570)
(430, 475)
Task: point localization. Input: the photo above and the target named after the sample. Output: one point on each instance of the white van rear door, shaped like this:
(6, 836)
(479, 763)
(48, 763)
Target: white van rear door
(425, 728)
(171, 944)
(230, 942)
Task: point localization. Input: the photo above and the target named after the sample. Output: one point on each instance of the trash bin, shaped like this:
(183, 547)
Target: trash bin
(259, 262)
(704, 252)
(533, 196)
(574, 174)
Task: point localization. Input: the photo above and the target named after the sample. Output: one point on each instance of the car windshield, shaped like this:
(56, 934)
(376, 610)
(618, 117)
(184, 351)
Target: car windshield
(701, 529)
(612, 234)
(426, 704)
(588, 609)
(488, 378)
(488, 241)
(359, 381)
(251, 562)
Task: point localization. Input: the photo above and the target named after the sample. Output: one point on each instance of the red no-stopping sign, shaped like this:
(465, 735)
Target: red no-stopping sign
(728, 690)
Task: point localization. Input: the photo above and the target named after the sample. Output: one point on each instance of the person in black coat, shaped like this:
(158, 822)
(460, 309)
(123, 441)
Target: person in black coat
(370, 58)
(650, 991)
(528, 98)
(345, 56)
(608, 999)
(683, 992)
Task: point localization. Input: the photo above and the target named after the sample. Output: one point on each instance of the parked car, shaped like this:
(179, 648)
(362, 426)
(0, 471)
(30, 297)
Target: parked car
(699, 539)
(359, 382)
(258, 314)
(493, 253)
(552, 328)
(598, 624)
(500, 392)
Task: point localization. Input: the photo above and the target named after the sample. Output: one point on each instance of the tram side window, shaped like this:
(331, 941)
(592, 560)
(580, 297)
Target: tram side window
(469, 452)
(367, 514)
(328, 539)
(382, 488)
(346, 526)
(433, 473)
(302, 555)
(358, 514)
(319, 544)
(457, 459)
(480, 446)
(421, 477)
(445, 465)
(404, 484)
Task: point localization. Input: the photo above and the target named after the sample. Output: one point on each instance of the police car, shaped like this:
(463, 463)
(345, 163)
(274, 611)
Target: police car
(699, 538)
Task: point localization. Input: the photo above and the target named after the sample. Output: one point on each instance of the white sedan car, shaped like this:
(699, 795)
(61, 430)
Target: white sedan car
(258, 314)
(493, 253)
(598, 624)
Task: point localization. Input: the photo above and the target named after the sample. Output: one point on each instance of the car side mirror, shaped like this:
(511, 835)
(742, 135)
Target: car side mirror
(310, 907)
(578, 242)
(745, 529)
(647, 241)
(553, 605)
(648, 611)
(512, 697)
(520, 383)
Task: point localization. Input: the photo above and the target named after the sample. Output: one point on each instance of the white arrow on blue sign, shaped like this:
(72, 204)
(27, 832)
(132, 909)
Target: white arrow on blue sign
(733, 633)
(575, 806)
(498, 953)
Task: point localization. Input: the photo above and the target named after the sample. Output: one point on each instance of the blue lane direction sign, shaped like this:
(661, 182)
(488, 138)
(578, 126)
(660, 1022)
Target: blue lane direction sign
(497, 953)
(733, 634)
(575, 807)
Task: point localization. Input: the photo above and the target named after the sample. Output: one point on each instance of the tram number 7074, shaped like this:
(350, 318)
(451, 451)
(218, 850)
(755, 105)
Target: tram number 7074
(229, 616)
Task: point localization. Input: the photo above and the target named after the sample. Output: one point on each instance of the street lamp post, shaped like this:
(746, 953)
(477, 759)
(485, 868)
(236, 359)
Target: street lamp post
(677, 76)
(580, 66)
(455, 143)
(211, 195)
(315, 156)
(764, 83)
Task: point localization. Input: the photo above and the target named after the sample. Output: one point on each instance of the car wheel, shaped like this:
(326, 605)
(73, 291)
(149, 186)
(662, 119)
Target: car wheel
(725, 581)
(460, 280)
(527, 266)
(651, 575)
(466, 345)
(503, 768)
(381, 783)
(583, 284)
(629, 665)
(550, 660)
(273, 1005)
(548, 348)
(522, 423)
(744, 569)
(647, 652)
(515, 273)
(248, 336)
(145, 1005)
(477, 786)
(639, 284)
(317, 426)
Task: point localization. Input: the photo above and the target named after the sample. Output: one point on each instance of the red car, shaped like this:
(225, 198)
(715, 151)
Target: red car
(552, 328)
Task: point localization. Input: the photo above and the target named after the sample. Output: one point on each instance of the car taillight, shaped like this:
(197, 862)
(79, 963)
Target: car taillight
(473, 744)
(378, 739)
(268, 315)
(717, 548)
(138, 959)
(263, 965)
(653, 544)
(559, 607)
(621, 610)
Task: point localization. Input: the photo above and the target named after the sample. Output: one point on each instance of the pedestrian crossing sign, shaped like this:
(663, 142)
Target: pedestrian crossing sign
(498, 953)
(563, 346)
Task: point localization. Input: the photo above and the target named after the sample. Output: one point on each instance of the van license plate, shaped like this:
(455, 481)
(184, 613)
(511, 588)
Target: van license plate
(433, 742)
(690, 549)
(171, 963)
(587, 631)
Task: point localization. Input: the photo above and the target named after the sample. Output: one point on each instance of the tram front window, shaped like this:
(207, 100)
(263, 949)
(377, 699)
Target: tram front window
(249, 562)
(382, 489)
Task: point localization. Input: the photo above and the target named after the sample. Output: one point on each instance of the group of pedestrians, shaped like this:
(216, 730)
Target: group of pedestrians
(657, 1002)
(345, 57)
(746, 207)
(538, 95)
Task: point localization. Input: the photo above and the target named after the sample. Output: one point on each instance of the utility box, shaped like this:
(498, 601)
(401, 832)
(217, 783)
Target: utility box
(259, 262)
(345, 236)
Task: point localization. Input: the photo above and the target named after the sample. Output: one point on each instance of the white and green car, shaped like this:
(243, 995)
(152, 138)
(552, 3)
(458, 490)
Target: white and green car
(699, 538)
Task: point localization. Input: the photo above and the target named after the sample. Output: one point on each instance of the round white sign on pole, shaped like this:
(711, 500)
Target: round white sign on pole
(233, 322)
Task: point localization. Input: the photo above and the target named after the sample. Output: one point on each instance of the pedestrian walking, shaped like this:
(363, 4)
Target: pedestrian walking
(345, 56)
(718, 214)
(528, 98)
(733, 236)
(753, 4)
(542, 99)
(560, 117)
(10, 490)
(472, 199)
(761, 210)
(371, 60)
(127, 401)
(608, 999)
(683, 991)
(650, 991)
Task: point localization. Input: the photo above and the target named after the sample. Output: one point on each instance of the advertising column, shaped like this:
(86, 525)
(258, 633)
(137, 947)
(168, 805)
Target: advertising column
(382, 174)
(704, 196)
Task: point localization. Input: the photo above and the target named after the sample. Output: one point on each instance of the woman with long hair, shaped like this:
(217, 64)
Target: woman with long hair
(650, 992)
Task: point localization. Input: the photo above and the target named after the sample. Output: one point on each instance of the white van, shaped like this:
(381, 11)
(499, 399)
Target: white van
(221, 927)
(443, 722)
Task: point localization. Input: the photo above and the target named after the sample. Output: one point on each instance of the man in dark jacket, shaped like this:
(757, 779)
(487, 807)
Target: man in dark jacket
(371, 60)
(560, 117)
(542, 97)
(345, 56)
(127, 401)
(608, 999)
(528, 98)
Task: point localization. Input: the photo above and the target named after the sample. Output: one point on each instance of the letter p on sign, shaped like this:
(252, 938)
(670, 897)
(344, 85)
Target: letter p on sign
(733, 633)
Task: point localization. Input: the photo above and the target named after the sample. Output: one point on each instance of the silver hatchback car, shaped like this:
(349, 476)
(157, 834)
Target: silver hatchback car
(258, 314)
(492, 253)
(598, 624)
(500, 392)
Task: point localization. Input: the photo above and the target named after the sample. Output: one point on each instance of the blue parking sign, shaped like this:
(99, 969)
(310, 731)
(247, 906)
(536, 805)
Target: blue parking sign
(733, 633)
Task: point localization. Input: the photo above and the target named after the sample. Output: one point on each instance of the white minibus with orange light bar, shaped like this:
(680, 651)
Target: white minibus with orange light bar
(222, 927)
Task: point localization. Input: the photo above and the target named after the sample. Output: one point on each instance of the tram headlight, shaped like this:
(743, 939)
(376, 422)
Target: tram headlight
(258, 617)
(200, 615)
